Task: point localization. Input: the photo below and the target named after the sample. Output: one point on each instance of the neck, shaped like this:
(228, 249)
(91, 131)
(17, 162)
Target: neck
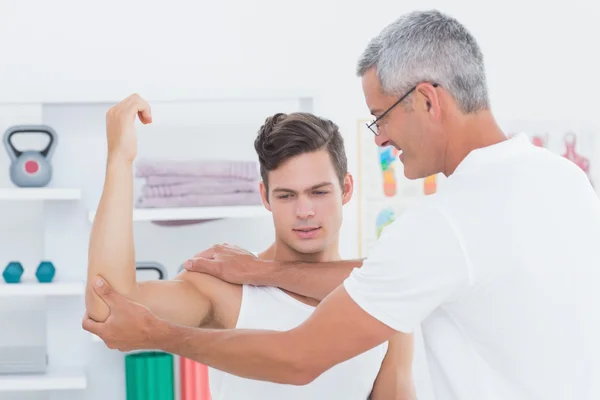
(469, 133)
(279, 250)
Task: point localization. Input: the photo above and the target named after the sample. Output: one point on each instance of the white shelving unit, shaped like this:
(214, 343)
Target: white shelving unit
(23, 289)
(40, 194)
(193, 213)
(52, 380)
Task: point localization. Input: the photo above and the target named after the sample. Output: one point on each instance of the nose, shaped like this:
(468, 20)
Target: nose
(382, 140)
(304, 209)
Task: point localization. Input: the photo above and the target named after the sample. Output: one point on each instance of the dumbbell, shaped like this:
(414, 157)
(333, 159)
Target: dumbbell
(45, 272)
(14, 270)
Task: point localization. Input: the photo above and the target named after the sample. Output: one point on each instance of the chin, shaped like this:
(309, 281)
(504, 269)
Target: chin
(309, 246)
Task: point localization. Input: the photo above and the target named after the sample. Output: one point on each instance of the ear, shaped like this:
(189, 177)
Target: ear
(429, 99)
(348, 188)
(264, 196)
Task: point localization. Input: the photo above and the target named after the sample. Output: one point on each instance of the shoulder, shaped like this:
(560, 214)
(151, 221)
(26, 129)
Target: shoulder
(225, 297)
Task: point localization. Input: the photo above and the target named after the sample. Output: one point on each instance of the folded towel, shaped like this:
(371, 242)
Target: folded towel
(202, 186)
(156, 180)
(201, 200)
(214, 168)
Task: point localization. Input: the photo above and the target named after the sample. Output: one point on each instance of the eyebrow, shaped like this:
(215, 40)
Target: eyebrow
(313, 187)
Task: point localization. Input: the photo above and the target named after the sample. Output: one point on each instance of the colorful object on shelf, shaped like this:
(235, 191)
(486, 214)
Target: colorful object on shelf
(13, 272)
(193, 380)
(149, 376)
(387, 157)
(540, 141)
(430, 185)
(45, 272)
(384, 218)
(30, 168)
(570, 140)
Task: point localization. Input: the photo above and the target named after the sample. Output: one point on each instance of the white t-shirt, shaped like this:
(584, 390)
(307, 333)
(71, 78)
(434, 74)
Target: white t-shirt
(500, 270)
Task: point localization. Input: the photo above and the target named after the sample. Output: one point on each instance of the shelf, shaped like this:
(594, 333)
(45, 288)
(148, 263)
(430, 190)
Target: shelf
(39, 194)
(194, 213)
(53, 380)
(35, 288)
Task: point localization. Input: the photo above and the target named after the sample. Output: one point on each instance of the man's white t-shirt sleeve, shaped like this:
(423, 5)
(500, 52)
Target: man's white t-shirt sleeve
(417, 264)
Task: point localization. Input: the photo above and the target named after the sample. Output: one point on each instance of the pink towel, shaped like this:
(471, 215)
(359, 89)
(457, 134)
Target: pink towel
(201, 200)
(175, 180)
(213, 168)
(204, 186)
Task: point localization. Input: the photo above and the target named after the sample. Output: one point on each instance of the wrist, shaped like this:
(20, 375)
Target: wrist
(118, 161)
(267, 273)
(161, 335)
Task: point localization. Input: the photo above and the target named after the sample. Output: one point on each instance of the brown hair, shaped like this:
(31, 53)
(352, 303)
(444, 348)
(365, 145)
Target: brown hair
(284, 136)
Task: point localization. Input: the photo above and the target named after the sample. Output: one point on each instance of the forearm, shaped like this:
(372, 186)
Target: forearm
(344, 330)
(111, 247)
(254, 354)
(314, 280)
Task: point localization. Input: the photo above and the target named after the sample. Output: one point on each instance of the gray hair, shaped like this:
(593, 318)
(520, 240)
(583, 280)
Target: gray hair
(428, 46)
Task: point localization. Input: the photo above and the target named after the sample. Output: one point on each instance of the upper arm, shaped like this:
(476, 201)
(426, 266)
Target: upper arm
(394, 381)
(417, 264)
(177, 301)
(190, 299)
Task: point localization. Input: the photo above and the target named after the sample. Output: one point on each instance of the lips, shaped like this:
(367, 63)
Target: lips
(307, 233)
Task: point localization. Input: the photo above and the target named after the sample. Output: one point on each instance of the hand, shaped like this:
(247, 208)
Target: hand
(120, 126)
(231, 264)
(130, 326)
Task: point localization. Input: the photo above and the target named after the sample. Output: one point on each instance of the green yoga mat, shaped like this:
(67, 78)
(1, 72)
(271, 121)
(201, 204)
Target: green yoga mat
(149, 376)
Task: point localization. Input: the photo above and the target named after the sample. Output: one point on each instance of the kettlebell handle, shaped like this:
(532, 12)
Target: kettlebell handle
(14, 153)
(151, 265)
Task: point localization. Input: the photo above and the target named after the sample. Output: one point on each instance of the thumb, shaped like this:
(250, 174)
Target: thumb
(201, 264)
(105, 291)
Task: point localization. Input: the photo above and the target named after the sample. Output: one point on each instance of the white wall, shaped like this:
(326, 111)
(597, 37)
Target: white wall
(541, 64)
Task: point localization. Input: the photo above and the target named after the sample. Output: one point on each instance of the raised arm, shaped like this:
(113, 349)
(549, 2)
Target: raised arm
(186, 300)
(111, 247)
(238, 266)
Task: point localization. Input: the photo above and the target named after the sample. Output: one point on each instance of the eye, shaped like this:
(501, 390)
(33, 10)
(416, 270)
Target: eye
(284, 196)
(320, 192)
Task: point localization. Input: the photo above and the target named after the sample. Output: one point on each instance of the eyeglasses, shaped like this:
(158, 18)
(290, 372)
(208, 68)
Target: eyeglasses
(373, 125)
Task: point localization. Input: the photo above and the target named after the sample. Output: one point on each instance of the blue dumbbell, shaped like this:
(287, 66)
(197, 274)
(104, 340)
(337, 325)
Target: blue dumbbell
(13, 272)
(45, 272)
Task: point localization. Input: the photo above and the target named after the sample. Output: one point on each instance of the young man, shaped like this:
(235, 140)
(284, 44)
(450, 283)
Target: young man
(305, 184)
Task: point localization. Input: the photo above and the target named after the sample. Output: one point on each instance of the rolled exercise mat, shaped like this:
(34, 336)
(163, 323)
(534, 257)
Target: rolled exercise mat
(194, 380)
(149, 376)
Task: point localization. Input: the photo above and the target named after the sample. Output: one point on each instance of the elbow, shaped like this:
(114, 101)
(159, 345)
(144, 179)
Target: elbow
(95, 308)
(305, 371)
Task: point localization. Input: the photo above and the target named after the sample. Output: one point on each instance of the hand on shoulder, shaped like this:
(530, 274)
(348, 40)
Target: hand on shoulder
(231, 264)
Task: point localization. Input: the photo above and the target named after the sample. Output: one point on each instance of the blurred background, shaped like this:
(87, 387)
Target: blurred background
(213, 71)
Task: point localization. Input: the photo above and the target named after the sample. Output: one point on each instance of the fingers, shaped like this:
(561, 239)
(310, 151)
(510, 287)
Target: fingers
(91, 326)
(105, 291)
(201, 264)
(211, 252)
(208, 253)
(131, 106)
(136, 104)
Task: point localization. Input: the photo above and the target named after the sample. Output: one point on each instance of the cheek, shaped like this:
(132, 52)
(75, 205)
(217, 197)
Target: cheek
(331, 213)
(282, 213)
